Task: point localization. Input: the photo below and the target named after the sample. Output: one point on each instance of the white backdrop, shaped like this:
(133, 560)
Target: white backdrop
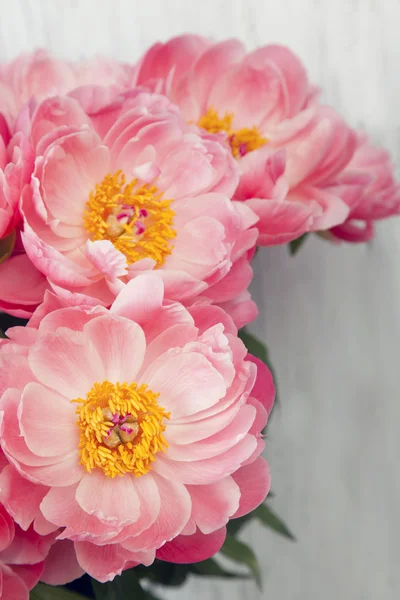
(331, 316)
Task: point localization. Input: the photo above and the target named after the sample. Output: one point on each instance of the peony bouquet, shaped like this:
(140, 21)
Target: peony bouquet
(133, 402)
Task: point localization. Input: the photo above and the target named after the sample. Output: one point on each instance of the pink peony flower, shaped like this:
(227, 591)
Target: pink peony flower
(133, 188)
(288, 147)
(21, 285)
(136, 430)
(378, 199)
(40, 75)
(21, 556)
(16, 164)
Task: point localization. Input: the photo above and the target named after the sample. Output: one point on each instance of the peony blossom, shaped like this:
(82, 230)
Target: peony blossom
(132, 188)
(378, 199)
(39, 75)
(136, 430)
(21, 556)
(289, 148)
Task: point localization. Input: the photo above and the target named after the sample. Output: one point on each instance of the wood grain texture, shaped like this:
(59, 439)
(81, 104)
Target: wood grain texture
(331, 316)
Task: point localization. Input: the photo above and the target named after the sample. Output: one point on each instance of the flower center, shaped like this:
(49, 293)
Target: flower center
(241, 141)
(133, 217)
(121, 428)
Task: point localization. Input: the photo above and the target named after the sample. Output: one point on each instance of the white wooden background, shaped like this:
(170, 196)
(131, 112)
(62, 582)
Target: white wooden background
(331, 316)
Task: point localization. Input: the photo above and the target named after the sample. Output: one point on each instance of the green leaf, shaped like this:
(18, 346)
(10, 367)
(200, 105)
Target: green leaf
(295, 245)
(270, 519)
(242, 553)
(48, 592)
(259, 350)
(123, 587)
(210, 568)
(7, 246)
(254, 345)
(235, 525)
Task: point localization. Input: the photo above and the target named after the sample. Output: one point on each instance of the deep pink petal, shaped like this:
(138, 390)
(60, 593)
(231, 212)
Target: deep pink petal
(61, 565)
(186, 549)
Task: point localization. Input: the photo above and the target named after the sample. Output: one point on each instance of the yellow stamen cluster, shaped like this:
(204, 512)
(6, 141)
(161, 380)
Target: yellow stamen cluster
(241, 141)
(134, 217)
(133, 403)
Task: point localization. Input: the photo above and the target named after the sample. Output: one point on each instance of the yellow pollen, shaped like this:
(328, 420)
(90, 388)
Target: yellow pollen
(241, 141)
(135, 218)
(121, 428)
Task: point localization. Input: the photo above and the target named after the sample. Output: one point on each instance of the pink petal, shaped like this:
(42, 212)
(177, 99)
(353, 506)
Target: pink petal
(27, 548)
(208, 470)
(105, 562)
(175, 509)
(120, 345)
(61, 564)
(29, 574)
(12, 586)
(187, 383)
(112, 501)
(47, 421)
(264, 388)
(21, 283)
(60, 507)
(103, 255)
(187, 549)
(67, 362)
(216, 444)
(213, 504)
(7, 530)
(254, 482)
(141, 298)
(14, 492)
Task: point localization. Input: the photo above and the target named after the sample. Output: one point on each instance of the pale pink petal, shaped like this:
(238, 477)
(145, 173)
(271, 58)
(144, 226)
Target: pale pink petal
(120, 345)
(106, 258)
(141, 298)
(209, 470)
(66, 362)
(175, 509)
(254, 482)
(112, 501)
(60, 507)
(105, 562)
(47, 421)
(213, 504)
(187, 383)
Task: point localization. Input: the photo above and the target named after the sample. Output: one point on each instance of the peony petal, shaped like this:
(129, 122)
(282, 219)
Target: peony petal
(61, 564)
(213, 504)
(141, 299)
(254, 482)
(66, 361)
(120, 345)
(47, 421)
(187, 383)
(112, 501)
(186, 549)
(209, 470)
(14, 491)
(175, 509)
(264, 388)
